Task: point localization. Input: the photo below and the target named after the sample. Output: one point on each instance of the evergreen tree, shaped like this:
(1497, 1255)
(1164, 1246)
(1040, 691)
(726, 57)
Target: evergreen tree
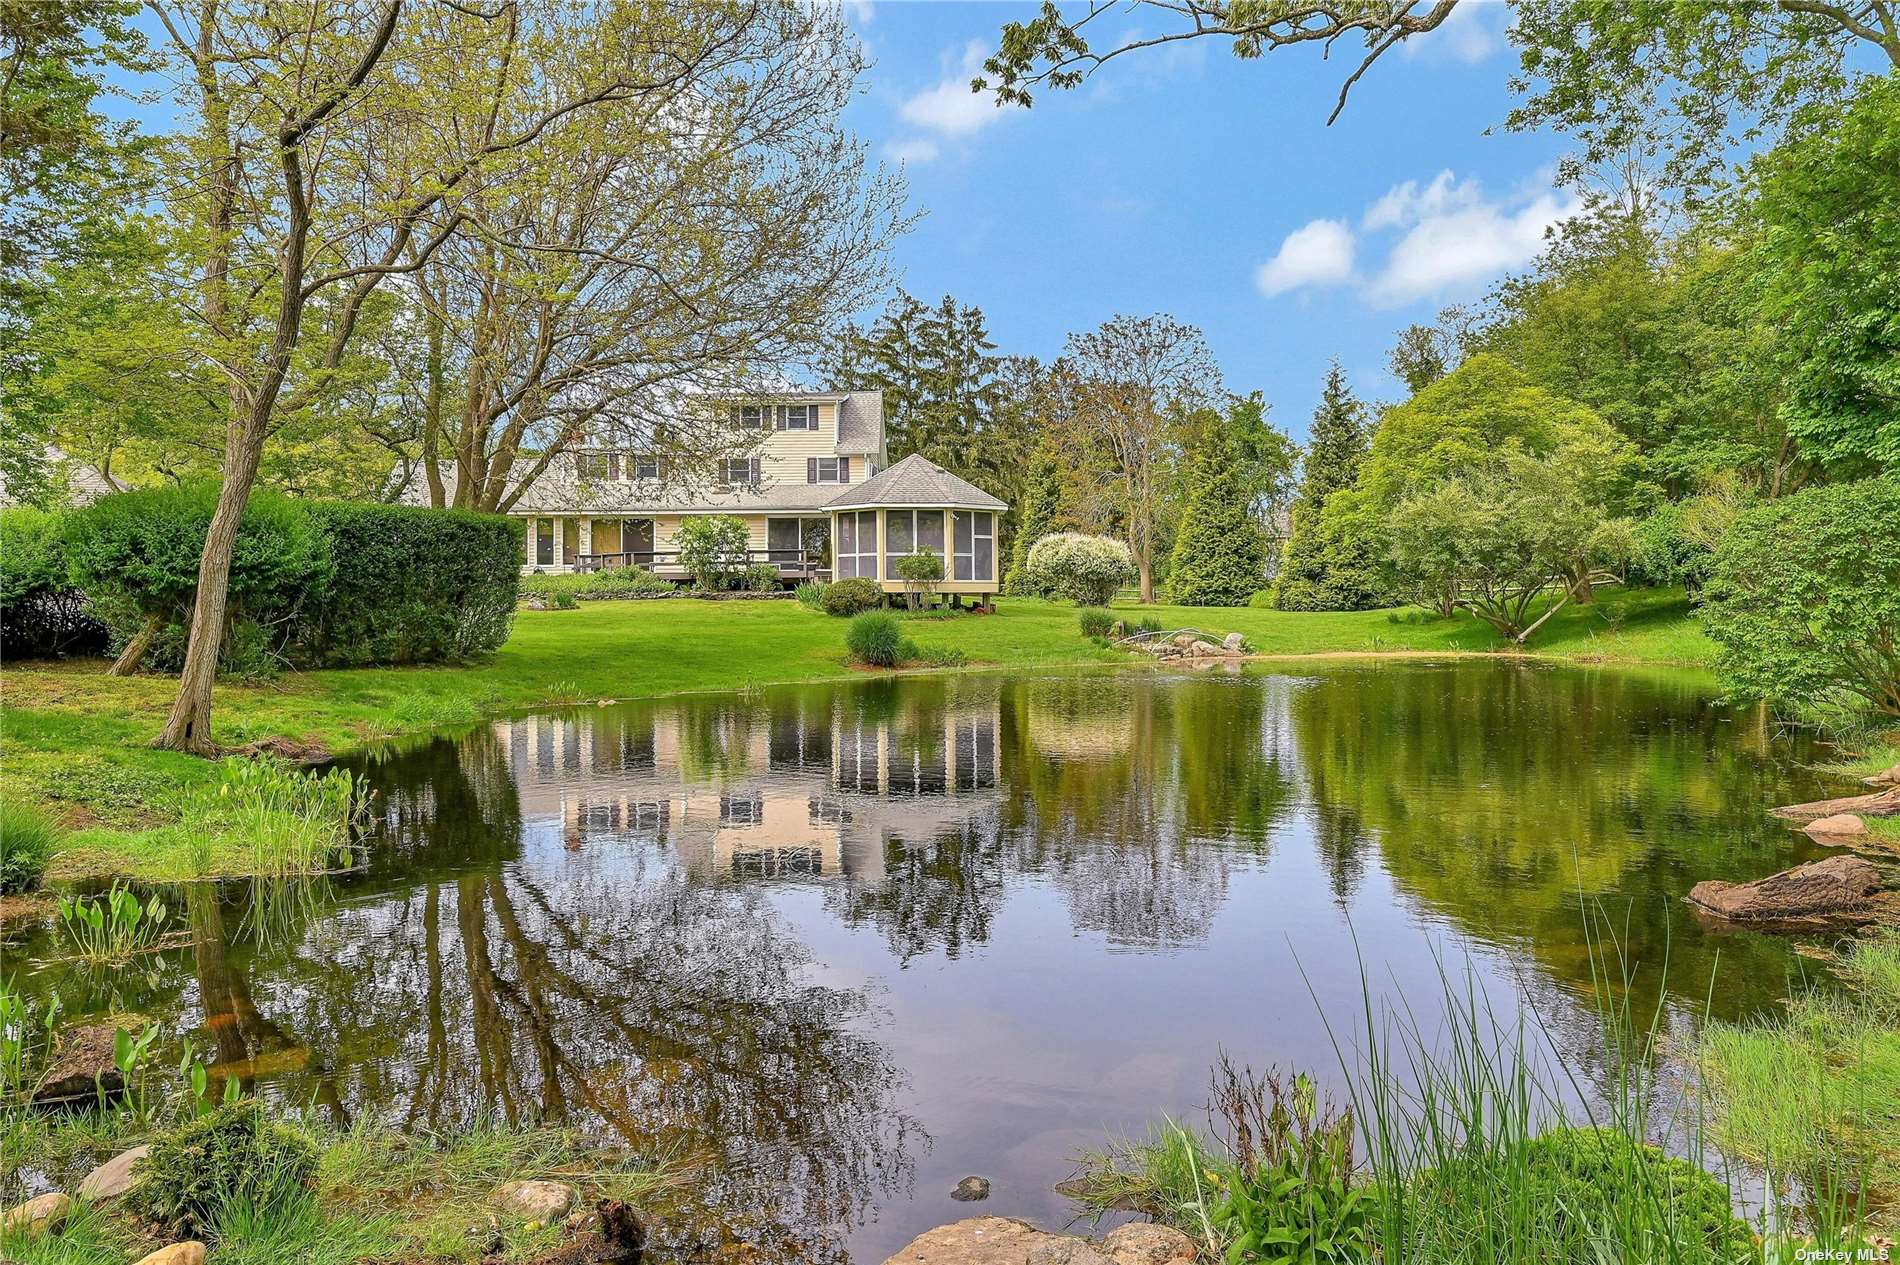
(1041, 502)
(1326, 567)
(1220, 555)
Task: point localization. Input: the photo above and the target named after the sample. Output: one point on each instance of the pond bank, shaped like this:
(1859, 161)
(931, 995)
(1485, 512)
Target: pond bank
(76, 742)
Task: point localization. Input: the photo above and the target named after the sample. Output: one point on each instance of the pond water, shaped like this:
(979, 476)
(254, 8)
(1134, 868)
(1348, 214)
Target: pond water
(842, 945)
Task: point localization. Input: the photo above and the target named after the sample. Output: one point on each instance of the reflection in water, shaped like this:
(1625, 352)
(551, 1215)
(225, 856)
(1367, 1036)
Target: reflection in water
(839, 945)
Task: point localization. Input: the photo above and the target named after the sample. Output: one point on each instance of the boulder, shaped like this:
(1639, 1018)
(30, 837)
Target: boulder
(971, 1189)
(544, 1202)
(112, 1178)
(187, 1253)
(1233, 643)
(1839, 826)
(82, 1064)
(35, 1217)
(1184, 640)
(1144, 1243)
(1838, 887)
(1063, 1249)
(1886, 777)
(976, 1241)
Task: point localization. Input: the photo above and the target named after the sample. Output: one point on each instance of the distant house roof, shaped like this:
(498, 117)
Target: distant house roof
(915, 481)
(82, 485)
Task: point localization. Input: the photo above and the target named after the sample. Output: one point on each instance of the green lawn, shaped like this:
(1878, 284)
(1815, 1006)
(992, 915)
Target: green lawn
(74, 741)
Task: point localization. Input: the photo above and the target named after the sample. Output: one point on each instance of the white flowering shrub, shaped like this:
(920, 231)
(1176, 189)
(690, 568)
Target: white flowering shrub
(1086, 568)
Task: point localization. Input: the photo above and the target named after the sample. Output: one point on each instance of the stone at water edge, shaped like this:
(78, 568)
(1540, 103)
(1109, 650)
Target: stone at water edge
(112, 1178)
(1057, 1249)
(1144, 1243)
(1839, 826)
(977, 1241)
(971, 1189)
(83, 1064)
(1233, 643)
(188, 1253)
(1886, 777)
(537, 1200)
(35, 1217)
(1836, 887)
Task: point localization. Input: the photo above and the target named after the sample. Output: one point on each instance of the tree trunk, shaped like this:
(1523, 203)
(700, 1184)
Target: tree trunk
(136, 649)
(189, 726)
(1582, 590)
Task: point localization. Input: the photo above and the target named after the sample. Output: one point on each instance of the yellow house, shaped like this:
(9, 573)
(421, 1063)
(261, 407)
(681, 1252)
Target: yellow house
(806, 477)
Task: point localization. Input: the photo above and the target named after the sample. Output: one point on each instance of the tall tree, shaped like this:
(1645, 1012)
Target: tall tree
(1040, 503)
(314, 170)
(1335, 448)
(1265, 461)
(1130, 387)
(697, 241)
(1220, 554)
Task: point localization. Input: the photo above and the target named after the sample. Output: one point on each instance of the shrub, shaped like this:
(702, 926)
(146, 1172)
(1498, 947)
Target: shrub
(27, 840)
(875, 638)
(136, 556)
(763, 577)
(231, 1156)
(1096, 622)
(1804, 592)
(1262, 600)
(848, 597)
(41, 614)
(811, 595)
(1087, 569)
(615, 583)
(921, 574)
(409, 585)
(712, 548)
(564, 601)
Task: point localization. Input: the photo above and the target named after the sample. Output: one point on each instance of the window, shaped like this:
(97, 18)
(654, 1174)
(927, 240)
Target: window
(827, 469)
(749, 416)
(736, 471)
(828, 810)
(644, 465)
(543, 542)
(973, 541)
(910, 531)
(798, 417)
(857, 545)
(743, 809)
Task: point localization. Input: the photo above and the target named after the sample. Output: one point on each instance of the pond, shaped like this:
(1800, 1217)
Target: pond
(842, 945)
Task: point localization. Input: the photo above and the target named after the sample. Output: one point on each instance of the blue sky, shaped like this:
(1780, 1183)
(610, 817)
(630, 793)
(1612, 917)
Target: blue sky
(1188, 181)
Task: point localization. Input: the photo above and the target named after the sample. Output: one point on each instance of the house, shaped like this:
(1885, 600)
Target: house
(810, 483)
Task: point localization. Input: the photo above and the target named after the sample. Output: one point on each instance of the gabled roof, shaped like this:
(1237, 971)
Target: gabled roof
(861, 423)
(915, 481)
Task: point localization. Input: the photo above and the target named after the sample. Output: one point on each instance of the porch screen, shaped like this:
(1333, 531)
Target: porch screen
(973, 545)
(857, 545)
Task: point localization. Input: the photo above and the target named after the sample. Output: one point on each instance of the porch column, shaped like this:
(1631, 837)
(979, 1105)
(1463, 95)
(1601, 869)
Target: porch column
(587, 539)
(560, 552)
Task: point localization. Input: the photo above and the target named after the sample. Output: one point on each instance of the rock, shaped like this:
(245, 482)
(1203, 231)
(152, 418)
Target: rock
(1886, 777)
(35, 1217)
(1839, 826)
(1837, 887)
(1184, 640)
(971, 1189)
(1233, 643)
(976, 1241)
(536, 1201)
(1144, 1243)
(82, 1064)
(112, 1178)
(189, 1253)
(621, 1234)
(1061, 1249)
(1879, 804)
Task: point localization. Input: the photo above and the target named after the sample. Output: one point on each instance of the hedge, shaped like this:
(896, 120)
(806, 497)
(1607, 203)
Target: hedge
(318, 584)
(41, 613)
(410, 586)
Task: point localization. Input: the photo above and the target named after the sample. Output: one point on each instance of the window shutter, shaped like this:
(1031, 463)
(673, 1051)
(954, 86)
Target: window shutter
(752, 470)
(811, 469)
(778, 417)
(580, 465)
(613, 465)
(844, 469)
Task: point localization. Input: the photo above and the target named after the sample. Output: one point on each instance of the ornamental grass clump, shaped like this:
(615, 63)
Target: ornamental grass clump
(1095, 621)
(27, 841)
(233, 1159)
(876, 639)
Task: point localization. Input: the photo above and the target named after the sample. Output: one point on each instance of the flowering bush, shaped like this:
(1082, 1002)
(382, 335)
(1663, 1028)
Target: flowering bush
(1086, 568)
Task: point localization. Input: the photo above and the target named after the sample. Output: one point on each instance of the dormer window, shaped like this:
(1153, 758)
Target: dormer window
(798, 417)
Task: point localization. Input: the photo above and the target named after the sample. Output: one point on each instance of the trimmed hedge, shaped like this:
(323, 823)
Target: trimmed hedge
(41, 613)
(410, 586)
(849, 597)
(319, 584)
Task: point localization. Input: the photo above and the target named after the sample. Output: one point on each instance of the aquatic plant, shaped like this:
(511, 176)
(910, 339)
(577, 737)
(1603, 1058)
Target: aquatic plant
(293, 822)
(26, 1037)
(114, 928)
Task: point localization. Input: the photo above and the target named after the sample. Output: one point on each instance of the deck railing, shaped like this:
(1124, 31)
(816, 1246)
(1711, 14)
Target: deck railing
(791, 563)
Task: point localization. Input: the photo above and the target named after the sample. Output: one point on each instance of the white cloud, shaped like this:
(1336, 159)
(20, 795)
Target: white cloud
(1473, 32)
(1316, 254)
(1459, 246)
(860, 11)
(915, 149)
(1406, 204)
(949, 108)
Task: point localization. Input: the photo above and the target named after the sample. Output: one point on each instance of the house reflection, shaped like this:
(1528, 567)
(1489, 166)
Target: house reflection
(744, 793)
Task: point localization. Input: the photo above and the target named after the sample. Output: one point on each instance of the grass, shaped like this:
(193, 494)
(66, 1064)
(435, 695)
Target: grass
(75, 743)
(379, 1193)
(28, 839)
(1483, 1145)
